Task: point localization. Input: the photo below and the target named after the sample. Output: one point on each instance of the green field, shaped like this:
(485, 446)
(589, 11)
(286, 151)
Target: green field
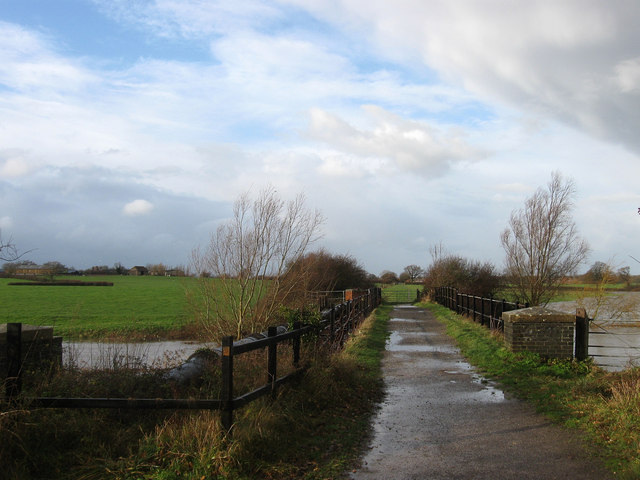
(400, 293)
(138, 306)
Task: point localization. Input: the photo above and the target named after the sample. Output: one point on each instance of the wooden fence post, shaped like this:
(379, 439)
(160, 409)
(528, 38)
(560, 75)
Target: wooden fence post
(492, 312)
(227, 384)
(14, 360)
(582, 335)
(502, 310)
(272, 359)
(474, 308)
(332, 326)
(296, 345)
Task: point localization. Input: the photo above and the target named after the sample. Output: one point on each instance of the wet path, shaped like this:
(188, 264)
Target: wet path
(440, 420)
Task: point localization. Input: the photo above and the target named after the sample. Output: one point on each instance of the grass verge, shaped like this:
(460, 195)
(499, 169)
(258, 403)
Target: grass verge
(313, 429)
(605, 406)
(317, 428)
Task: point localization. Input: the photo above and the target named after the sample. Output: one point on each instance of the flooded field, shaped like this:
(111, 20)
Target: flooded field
(121, 355)
(614, 341)
(614, 336)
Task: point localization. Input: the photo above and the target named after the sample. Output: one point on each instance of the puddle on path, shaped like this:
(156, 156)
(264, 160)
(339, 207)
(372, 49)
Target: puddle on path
(406, 342)
(457, 371)
(406, 320)
(489, 392)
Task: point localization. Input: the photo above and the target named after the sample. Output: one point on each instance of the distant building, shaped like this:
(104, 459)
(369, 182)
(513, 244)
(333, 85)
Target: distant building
(33, 270)
(138, 270)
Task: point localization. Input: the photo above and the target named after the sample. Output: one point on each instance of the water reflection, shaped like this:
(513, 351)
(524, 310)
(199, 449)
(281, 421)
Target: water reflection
(121, 355)
(614, 348)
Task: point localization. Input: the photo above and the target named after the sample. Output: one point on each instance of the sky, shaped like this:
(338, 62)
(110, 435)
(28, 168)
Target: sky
(129, 127)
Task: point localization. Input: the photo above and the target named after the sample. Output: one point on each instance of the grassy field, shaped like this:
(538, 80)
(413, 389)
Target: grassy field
(399, 293)
(139, 306)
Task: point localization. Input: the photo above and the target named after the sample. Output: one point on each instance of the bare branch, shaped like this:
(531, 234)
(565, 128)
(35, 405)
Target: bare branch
(541, 243)
(9, 252)
(249, 256)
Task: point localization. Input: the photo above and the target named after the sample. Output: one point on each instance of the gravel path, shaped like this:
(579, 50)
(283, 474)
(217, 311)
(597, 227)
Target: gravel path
(440, 420)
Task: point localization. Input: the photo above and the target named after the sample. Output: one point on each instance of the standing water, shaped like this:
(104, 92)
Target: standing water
(614, 336)
(123, 355)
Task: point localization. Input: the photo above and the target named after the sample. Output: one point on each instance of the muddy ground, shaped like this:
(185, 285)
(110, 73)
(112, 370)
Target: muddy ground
(441, 420)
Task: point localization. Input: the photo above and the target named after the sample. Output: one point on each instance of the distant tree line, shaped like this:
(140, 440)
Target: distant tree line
(53, 268)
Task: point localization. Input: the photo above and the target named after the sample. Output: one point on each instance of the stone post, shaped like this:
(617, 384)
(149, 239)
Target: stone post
(540, 330)
(40, 348)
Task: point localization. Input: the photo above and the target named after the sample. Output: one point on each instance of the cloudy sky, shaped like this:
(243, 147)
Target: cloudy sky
(129, 127)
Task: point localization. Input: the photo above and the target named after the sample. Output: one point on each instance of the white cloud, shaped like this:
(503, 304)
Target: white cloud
(137, 208)
(359, 104)
(411, 145)
(554, 58)
(191, 18)
(14, 163)
(6, 222)
(28, 63)
(627, 75)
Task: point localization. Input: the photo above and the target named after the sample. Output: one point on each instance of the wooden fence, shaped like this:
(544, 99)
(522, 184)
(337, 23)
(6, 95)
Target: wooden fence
(487, 311)
(336, 324)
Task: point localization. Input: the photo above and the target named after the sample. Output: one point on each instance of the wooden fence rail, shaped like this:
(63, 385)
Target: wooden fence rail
(487, 311)
(336, 324)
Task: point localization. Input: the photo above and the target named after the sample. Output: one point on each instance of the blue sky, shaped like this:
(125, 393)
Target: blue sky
(128, 128)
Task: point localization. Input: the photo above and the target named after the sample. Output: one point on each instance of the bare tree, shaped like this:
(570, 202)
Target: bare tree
(248, 258)
(326, 271)
(8, 251)
(624, 275)
(472, 277)
(542, 244)
(413, 272)
(598, 271)
(387, 276)
(601, 304)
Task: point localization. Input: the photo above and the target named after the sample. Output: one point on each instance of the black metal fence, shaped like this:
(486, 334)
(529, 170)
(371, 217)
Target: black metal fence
(487, 311)
(336, 324)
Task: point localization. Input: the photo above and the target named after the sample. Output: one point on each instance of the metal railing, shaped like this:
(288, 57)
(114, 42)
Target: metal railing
(487, 311)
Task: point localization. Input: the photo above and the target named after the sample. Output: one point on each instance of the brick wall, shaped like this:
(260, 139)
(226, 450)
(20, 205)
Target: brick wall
(539, 330)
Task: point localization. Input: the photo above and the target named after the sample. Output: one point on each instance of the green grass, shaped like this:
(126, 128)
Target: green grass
(605, 406)
(133, 305)
(318, 429)
(399, 293)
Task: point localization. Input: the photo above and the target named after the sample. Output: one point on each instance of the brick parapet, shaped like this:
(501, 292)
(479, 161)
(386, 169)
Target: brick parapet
(539, 330)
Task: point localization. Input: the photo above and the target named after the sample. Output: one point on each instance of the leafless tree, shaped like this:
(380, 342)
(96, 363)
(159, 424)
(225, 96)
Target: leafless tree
(468, 276)
(542, 244)
(8, 251)
(243, 271)
(414, 272)
(388, 277)
(604, 305)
